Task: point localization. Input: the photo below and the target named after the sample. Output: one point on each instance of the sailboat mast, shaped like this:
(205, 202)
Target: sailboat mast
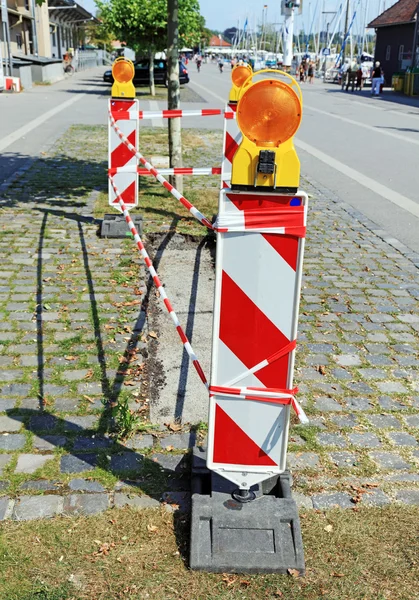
(345, 30)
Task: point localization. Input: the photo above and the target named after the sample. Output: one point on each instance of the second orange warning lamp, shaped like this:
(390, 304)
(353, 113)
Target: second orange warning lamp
(268, 114)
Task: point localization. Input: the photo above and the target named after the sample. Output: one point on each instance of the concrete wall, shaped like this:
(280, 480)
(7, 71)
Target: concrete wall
(52, 72)
(25, 74)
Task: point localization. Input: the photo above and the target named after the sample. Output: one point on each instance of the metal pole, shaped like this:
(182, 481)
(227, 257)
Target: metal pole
(288, 41)
(9, 49)
(34, 32)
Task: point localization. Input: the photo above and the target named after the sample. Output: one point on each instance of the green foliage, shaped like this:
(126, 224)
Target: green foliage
(126, 420)
(99, 34)
(142, 24)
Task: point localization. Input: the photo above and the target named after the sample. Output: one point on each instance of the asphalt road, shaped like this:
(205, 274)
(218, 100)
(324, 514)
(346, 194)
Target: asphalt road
(32, 121)
(362, 149)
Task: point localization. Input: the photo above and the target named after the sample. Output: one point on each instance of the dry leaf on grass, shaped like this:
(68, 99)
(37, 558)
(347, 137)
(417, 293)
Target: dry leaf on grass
(173, 426)
(229, 579)
(170, 448)
(321, 369)
(89, 399)
(70, 357)
(152, 528)
(153, 334)
(89, 374)
(334, 574)
(104, 548)
(293, 572)
(328, 528)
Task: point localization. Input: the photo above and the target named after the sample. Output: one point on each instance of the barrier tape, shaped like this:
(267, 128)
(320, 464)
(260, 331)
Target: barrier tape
(192, 209)
(160, 288)
(133, 115)
(283, 220)
(264, 363)
(270, 395)
(175, 171)
(259, 394)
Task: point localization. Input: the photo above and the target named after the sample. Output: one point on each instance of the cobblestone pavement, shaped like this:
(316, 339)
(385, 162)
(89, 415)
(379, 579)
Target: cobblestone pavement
(73, 336)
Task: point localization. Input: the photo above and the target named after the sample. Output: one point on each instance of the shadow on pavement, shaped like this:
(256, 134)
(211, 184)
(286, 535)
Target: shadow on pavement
(185, 365)
(53, 180)
(387, 97)
(88, 449)
(409, 129)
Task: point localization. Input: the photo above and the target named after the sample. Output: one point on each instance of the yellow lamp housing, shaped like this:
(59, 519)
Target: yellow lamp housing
(268, 114)
(239, 76)
(123, 73)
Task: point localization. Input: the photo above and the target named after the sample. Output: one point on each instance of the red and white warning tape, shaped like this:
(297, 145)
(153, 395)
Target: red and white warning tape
(132, 115)
(270, 395)
(260, 394)
(175, 171)
(192, 209)
(160, 288)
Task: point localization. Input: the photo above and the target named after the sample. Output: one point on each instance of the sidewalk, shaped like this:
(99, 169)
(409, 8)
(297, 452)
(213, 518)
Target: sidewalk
(74, 333)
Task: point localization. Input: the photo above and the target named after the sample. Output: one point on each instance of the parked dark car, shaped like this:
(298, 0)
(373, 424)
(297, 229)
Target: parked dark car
(142, 77)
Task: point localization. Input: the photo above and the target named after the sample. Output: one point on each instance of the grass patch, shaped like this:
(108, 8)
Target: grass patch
(158, 207)
(161, 209)
(369, 554)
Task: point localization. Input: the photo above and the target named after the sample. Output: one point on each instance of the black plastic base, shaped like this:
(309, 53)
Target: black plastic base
(115, 226)
(260, 188)
(261, 536)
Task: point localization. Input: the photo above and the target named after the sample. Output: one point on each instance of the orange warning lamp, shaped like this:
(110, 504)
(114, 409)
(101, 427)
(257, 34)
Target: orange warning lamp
(239, 75)
(268, 114)
(123, 73)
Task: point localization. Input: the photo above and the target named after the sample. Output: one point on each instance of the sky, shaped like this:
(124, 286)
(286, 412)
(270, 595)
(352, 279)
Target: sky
(221, 14)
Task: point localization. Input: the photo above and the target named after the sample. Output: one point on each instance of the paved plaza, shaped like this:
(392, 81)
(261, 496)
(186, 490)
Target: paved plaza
(75, 336)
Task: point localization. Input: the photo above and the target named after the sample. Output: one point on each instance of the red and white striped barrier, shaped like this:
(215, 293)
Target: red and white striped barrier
(12, 84)
(176, 171)
(231, 142)
(121, 157)
(261, 356)
(135, 115)
(192, 209)
(159, 286)
(258, 280)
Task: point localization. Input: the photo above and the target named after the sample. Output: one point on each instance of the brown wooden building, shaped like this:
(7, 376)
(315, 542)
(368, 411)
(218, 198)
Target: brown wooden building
(397, 37)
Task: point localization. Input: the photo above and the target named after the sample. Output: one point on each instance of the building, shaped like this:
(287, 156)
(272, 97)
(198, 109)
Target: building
(48, 30)
(397, 45)
(217, 44)
(66, 26)
(20, 14)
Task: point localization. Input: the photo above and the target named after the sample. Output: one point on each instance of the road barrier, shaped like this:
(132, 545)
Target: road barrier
(260, 230)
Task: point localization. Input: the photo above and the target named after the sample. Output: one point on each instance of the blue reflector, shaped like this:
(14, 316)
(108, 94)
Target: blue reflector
(295, 202)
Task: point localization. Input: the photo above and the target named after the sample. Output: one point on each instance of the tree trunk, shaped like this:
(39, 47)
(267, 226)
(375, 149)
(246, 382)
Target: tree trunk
(151, 70)
(173, 98)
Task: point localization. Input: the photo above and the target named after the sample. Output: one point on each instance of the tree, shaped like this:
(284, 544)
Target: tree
(173, 90)
(99, 34)
(142, 25)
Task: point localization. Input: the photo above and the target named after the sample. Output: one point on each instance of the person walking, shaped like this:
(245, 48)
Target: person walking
(376, 76)
(359, 79)
(310, 73)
